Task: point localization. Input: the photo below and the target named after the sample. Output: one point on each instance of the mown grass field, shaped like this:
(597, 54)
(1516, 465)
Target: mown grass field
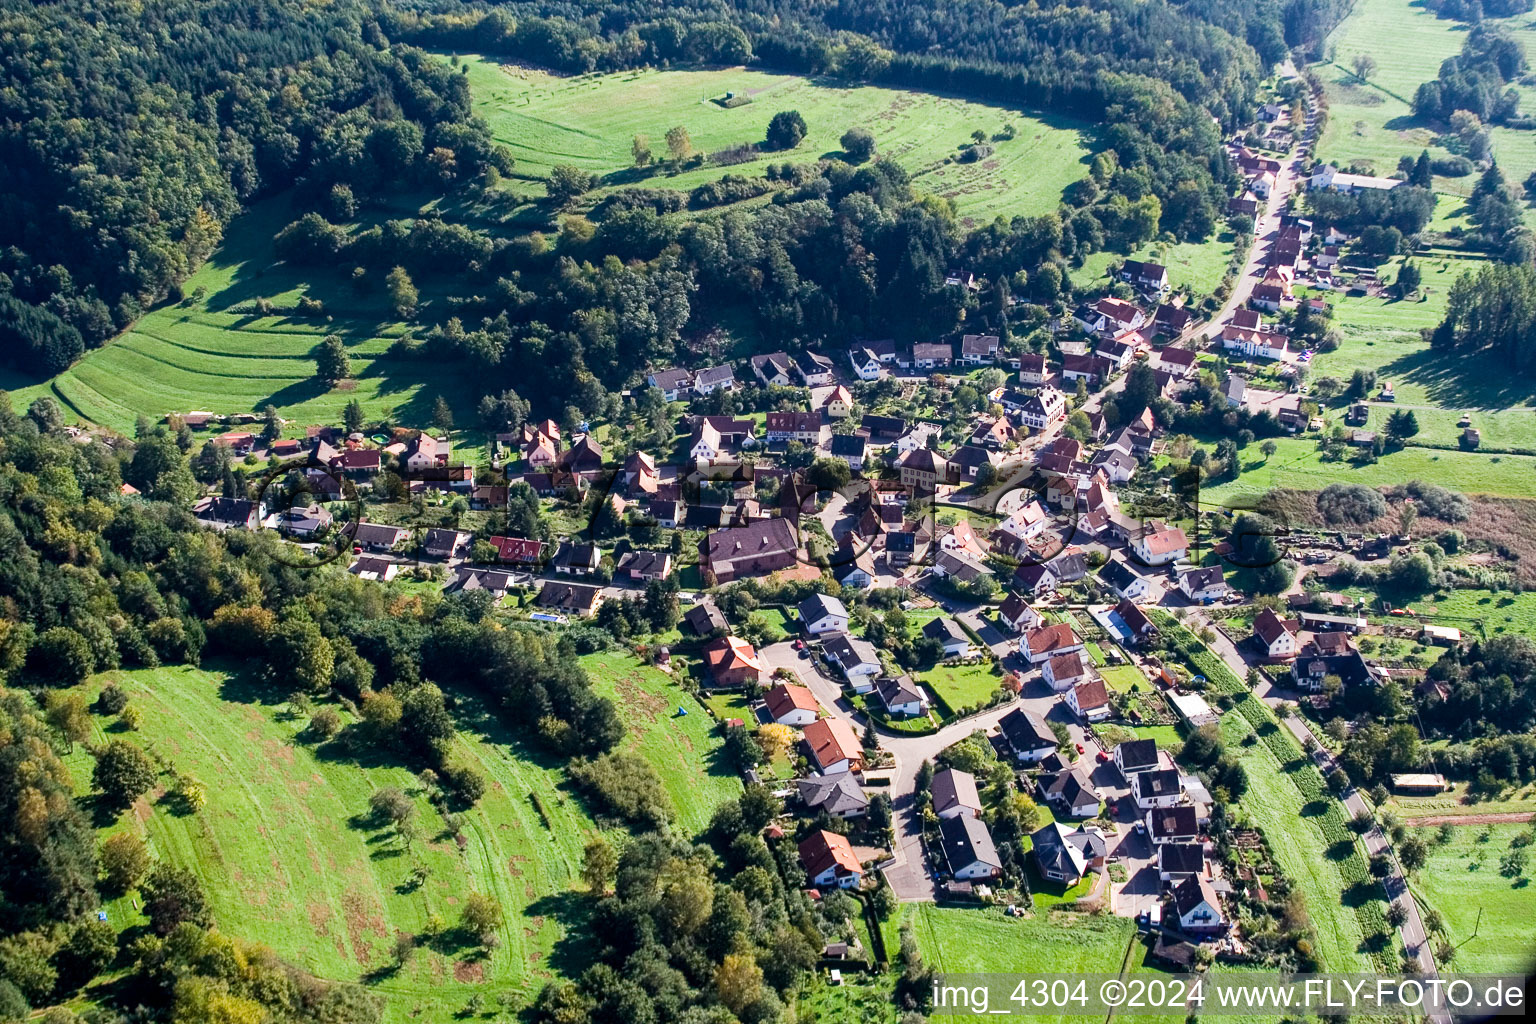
(684, 749)
(975, 941)
(289, 860)
(1487, 916)
(1374, 121)
(1122, 677)
(1297, 464)
(217, 354)
(590, 121)
(1275, 804)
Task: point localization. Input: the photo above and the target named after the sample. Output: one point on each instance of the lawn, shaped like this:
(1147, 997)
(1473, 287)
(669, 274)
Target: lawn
(1122, 677)
(1298, 464)
(1487, 916)
(1197, 266)
(685, 749)
(1276, 806)
(1374, 121)
(288, 860)
(590, 121)
(975, 941)
(219, 355)
(1167, 736)
(962, 685)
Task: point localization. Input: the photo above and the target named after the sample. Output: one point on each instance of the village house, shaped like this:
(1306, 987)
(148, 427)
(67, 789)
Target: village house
(789, 704)
(820, 613)
(857, 658)
(902, 697)
(1090, 700)
(1148, 278)
(1330, 177)
(704, 618)
(1064, 671)
(829, 861)
(833, 746)
(1125, 582)
(1141, 628)
(714, 378)
(1171, 322)
(949, 636)
(755, 549)
(425, 452)
(1255, 342)
(838, 404)
(378, 537)
(1159, 544)
(978, 349)
(1032, 369)
(806, 427)
(932, 355)
(673, 383)
(851, 448)
(1159, 787)
(731, 662)
(923, 468)
(1108, 317)
(372, 567)
(774, 369)
(1016, 614)
(1049, 641)
(1276, 637)
(1070, 792)
(814, 368)
(1065, 855)
(1178, 861)
(1135, 756)
(838, 795)
(440, 543)
(1198, 907)
(968, 849)
(1027, 735)
(229, 513)
(575, 559)
(1044, 408)
(1175, 824)
(1205, 585)
(954, 794)
(300, 521)
(574, 598)
(642, 565)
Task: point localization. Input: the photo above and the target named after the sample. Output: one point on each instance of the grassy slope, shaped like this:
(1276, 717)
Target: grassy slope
(685, 749)
(285, 866)
(1198, 266)
(210, 355)
(1275, 805)
(1462, 881)
(590, 121)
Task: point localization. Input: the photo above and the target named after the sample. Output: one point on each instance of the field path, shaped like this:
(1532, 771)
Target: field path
(1501, 818)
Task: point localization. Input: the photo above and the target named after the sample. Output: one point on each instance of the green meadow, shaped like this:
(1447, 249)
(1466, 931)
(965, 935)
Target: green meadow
(590, 121)
(290, 858)
(1487, 915)
(218, 354)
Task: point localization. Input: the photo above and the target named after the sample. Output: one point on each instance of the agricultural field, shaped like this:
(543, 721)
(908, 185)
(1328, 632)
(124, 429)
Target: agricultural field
(1276, 806)
(683, 748)
(590, 121)
(287, 853)
(216, 353)
(1487, 916)
(1298, 464)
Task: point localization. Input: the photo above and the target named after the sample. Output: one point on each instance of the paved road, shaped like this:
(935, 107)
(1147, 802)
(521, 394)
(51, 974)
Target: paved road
(1376, 841)
(908, 874)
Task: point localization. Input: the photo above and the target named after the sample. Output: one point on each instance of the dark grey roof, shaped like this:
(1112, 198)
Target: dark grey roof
(1025, 730)
(850, 650)
(848, 445)
(945, 630)
(705, 618)
(1117, 574)
(1157, 783)
(1180, 858)
(901, 690)
(966, 841)
(1138, 754)
(838, 794)
(1053, 853)
(1069, 567)
(1174, 822)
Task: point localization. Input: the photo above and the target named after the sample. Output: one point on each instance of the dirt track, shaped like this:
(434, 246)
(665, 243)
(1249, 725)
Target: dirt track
(1502, 818)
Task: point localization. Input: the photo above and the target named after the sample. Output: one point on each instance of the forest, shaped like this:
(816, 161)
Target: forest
(131, 134)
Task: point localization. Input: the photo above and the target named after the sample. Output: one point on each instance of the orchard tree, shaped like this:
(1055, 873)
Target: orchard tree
(786, 130)
(123, 773)
(858, 144)
(331, 362)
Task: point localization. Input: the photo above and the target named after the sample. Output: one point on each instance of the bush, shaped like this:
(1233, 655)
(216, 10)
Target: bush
(624, 786)
(1354, 504)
